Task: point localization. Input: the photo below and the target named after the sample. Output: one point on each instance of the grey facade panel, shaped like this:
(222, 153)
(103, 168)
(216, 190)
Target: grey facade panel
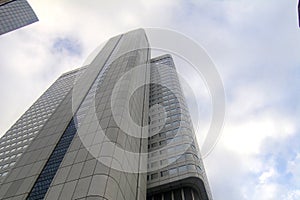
(105, 181)
(104, 157)
(19, 137)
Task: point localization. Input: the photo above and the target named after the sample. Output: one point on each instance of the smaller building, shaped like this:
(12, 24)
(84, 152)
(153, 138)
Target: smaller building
(15, 14)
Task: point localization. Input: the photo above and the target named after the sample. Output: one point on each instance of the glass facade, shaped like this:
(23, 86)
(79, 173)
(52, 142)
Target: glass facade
(15, 14)
(84, 147)
(172, 146)
(45, 178)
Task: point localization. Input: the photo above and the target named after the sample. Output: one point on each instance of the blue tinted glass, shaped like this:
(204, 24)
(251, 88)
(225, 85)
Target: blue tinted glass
(44, 180)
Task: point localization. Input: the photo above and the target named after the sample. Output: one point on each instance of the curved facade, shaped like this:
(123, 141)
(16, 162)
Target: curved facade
(174, 161)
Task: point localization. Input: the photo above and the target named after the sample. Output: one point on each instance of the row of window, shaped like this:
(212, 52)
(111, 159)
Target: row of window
(170, 122)
(39, 118)
(167, 125)
(4, 174)
(13, 150)
(163, 60)
(167, 120)
(170, 109)
(176, 139)
(43, 110)
(161, 71)
(170, 132)
(173, 159)
(2, 167)
(10, 157)
(166, 81)
(173, 171)
(168, 86)
(164, 93)
(156, 88)
(35, 115)
(167, 106)
(172, 149)
(16, 143)
(19, 135)
(13, 139)
(27, 126)
(52, 97)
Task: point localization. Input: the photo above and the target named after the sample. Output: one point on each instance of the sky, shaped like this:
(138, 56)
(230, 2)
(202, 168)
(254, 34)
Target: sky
(254, 44)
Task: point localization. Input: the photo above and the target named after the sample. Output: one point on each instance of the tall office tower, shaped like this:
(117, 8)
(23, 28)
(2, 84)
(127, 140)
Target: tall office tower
(15, 14)
(80, 152)
(175, 168)
(93, 144)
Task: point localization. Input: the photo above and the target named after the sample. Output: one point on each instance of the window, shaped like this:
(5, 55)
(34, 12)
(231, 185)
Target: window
(181, 158)
(164, 173)
(189, 156)
(154, 176)
(172, 159)
(172, 171)
(191, 167)
(182, 169)
(154, 145)
(164, 142)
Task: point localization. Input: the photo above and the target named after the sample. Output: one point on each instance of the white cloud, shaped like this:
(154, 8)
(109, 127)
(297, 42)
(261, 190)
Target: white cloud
(255, 45)
(246, 137)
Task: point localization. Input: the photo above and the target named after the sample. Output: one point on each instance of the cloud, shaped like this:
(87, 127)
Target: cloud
(255, 45)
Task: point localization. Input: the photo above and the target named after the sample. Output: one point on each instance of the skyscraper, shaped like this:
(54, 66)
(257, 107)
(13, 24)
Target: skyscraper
(175, 166)
(118, 128)
(15, 14)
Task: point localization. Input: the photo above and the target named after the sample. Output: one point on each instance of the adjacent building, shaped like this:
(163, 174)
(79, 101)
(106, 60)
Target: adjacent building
(15, 14)
(90, 137)
(175, 166)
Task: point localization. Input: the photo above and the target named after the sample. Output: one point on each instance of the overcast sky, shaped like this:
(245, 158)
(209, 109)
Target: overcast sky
(254, 44)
